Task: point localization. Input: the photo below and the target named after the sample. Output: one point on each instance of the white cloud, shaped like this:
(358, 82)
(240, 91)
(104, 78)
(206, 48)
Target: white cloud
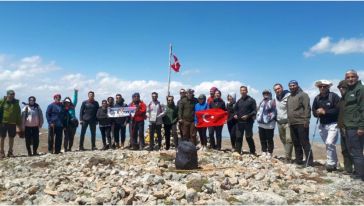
(190, 72)
(344, 46)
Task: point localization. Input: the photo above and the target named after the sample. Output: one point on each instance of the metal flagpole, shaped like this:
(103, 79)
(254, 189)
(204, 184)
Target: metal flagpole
(169, 76)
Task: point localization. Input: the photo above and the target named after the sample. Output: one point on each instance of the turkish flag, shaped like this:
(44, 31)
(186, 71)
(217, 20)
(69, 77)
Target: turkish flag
(211, 117)
(176, 65)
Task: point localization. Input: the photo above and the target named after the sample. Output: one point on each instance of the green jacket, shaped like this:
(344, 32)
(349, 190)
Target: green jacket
(171, 115)
(298, 108)
(354, 107)
(186, 109)
(11, 113)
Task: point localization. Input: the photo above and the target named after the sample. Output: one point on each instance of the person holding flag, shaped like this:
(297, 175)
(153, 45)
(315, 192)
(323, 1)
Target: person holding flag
(217, 103)
(201, 106)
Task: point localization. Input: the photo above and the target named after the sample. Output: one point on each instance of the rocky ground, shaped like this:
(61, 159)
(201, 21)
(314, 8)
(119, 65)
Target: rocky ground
(141, 177)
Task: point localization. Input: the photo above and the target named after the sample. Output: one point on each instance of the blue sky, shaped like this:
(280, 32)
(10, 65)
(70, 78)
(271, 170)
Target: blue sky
(122, 47)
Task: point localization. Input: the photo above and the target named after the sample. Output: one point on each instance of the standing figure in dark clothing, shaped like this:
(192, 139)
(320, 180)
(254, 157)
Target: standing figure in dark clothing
(88, 118)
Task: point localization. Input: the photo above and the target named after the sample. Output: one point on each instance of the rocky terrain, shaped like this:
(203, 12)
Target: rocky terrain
(141, 177)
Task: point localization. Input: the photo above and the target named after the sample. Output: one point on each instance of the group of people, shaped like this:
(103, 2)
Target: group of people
(290, 110)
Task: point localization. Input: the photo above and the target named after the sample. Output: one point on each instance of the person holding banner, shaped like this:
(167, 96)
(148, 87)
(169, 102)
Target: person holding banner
(155, 113)
(119, 124)
(201, 106)
(170, 122)
(104, 125)
(137, 122)
(217, 103)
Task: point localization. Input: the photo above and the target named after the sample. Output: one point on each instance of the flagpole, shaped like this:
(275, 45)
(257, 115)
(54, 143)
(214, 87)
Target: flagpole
(169, 76)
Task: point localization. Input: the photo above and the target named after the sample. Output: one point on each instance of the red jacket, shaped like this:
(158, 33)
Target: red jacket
(140, 114)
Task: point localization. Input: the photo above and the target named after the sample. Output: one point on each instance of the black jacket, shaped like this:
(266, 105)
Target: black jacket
(246, 106)
(331, 108)
(88, 111)
(121, 120)
(217, 103)
(230, 110)
(102, 117)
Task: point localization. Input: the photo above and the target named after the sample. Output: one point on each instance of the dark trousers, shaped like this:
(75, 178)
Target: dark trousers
(180, 128)
(266, 139)
(301, 142)
(189, 132)
(232, 124)
(202, 133)
(69, 135)
(31, 138)
(55, 139)
(247, 128)
(218, 131)
(167, 133)
(119, 131)
(106, 135)
(348, 159)
(138, 133)
(85, 124)
(355, 145)
(155, 128)
(211, 137)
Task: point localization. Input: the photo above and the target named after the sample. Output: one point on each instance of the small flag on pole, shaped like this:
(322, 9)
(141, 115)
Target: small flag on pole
(176, 65)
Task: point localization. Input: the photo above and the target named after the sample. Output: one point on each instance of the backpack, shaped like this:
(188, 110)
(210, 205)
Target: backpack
(186, 156)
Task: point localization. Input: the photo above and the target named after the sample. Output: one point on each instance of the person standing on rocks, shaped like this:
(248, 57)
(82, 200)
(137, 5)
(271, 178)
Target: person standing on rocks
(88, 118)
(282, 120)
(55, 117)
(170, 122)
(10, 119)
(299, 114)
(200, 106)
(183, 95)
(120, 123)
(211, 129)
(266, 116)
(217, 103)
(71, 122)
(231, 122)
(32, 120)
(348, 159)
(186, 115)
(104, 125)
(354, 120)
(245, 113)
(325, 108)
(137, 122)
(155, 114)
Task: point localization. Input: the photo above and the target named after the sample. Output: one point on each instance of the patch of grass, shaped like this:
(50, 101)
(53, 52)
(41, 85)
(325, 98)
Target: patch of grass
(196, 184)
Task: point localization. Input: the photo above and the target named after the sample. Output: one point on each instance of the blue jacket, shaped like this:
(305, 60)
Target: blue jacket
(200, 107)
(55, 114)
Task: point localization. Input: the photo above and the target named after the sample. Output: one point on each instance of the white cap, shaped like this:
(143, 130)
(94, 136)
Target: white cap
(323, 82)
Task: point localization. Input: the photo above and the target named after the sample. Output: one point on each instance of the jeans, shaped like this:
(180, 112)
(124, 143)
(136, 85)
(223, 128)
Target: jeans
(69, 135)
(355, 145)
(167, 132)
(31, 138)
(218, 131)
(301, 143)
(93, 133)
(266, 139)
(55, 139)
(286, 139)
(247, 128)
(106, 135)
(329, 134)
(232, 124)
(119, 130)
(155, 128)
(138, 133)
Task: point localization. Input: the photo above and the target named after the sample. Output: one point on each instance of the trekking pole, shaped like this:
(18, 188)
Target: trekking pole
(313, 138)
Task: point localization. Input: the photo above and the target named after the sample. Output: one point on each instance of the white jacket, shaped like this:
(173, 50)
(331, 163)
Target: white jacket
(282, 109)
(32, 116)
(156, 112)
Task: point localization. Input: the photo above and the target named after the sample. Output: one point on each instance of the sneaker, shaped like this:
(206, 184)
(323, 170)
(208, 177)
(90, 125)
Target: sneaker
(269, 155)
(264, 154)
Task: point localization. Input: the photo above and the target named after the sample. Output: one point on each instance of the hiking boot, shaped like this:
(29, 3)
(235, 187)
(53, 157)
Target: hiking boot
(117, 146)
(10, 154)
(29, 153)
(105, 147)
(94, 148)
(331, 168)
(82, 149)
(35, 154)
(2, 155)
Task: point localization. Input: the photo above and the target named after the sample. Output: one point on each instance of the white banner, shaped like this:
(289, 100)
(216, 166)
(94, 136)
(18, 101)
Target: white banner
(114, 112)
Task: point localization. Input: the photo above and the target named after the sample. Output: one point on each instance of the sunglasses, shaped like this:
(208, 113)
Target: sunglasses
(323, 86)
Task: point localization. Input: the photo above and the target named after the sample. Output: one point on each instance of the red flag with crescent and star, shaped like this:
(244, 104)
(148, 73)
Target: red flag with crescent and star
(211, 118)
(176, 65)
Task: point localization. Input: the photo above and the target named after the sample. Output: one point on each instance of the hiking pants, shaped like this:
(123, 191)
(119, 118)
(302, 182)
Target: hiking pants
(266, 139)
(189, 132)
(69, 136)
(167, 133)
(301, 142)
(85, 124)
(247, 128)
(202, 134)
(329, 134)
(286, 139)
(119, 129)
(106, 135)
(232, 124)
(355, 145)
(10, 130)
(31, 138)
(348, 159)
(55, 139)
(155, 128)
